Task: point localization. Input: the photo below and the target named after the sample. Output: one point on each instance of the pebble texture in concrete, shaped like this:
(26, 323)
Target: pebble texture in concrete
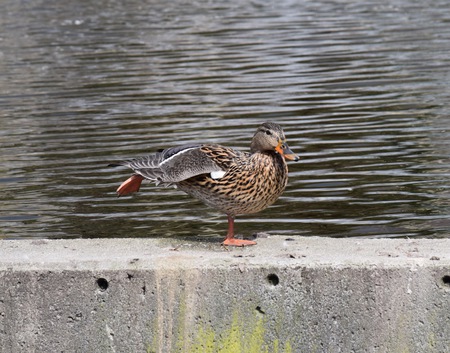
(281, 296)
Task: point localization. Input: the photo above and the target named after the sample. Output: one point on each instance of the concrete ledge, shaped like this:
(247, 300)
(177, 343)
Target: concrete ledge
(159, 295)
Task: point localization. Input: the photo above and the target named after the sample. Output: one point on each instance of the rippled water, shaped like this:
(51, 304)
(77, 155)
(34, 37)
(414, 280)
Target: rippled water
(361, 88)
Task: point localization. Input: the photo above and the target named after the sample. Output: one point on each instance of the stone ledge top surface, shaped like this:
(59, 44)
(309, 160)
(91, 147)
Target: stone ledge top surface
(141, 254)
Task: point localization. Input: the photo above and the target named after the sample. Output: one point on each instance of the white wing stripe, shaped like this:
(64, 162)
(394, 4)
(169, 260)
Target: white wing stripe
(176, 155)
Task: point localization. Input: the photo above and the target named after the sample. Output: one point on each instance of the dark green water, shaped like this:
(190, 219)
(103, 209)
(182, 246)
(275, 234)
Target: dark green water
(361, 88)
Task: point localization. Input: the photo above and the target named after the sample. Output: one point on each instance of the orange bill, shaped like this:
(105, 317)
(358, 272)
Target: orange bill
(286, 152)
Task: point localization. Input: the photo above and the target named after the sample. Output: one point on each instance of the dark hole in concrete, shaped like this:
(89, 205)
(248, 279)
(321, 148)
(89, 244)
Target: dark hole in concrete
(102, 284)
(273, 279)
(259, 310)
(446, 280)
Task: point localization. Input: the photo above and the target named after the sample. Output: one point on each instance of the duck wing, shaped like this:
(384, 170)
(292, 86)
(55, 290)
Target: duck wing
(175, 164)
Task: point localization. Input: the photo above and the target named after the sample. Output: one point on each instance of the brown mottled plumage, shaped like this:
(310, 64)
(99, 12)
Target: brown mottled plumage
(252, 182)
(230, 181)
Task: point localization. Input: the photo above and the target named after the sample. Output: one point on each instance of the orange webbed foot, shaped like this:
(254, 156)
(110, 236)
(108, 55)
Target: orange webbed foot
(132, 184)
(238, 242)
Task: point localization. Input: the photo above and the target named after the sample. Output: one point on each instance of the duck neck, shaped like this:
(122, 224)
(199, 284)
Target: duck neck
(256, 147)
(253, 148)
(276, 157)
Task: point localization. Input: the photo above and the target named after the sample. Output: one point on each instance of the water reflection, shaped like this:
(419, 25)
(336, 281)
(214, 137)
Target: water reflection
(360, 88)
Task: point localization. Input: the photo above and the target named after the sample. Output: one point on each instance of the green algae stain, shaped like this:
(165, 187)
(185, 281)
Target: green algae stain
(231, 341)
(276, 346)
(241, 337)
(205, 342)
(180, 345)
(432, 340)
(288, 348)
(256, 341)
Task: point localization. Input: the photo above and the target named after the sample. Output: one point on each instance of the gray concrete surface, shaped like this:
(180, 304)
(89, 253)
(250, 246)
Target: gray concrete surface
(281, 296)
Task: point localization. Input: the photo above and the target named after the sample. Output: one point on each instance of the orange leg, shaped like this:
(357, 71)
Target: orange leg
(230, 240)
(132, 184)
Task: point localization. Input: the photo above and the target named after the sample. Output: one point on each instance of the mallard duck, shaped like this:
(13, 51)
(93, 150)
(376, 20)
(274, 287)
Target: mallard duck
(228, 180)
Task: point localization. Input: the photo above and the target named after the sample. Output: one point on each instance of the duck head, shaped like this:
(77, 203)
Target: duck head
(270, 137)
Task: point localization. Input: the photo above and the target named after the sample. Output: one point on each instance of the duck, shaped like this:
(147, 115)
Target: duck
(225, 179)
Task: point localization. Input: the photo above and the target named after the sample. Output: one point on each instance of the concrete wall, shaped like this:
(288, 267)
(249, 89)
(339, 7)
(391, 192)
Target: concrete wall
(281, 296)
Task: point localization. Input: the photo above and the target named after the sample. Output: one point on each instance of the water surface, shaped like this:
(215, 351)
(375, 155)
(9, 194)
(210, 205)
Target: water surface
(361, 88)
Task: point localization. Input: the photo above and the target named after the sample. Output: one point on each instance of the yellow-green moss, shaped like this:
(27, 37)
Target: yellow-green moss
(242, 336)
(205, 341)
(181, 331)
(256, 339)
(288, 348)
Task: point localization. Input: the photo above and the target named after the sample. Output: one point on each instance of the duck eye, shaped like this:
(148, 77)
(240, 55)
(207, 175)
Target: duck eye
(268, 132)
